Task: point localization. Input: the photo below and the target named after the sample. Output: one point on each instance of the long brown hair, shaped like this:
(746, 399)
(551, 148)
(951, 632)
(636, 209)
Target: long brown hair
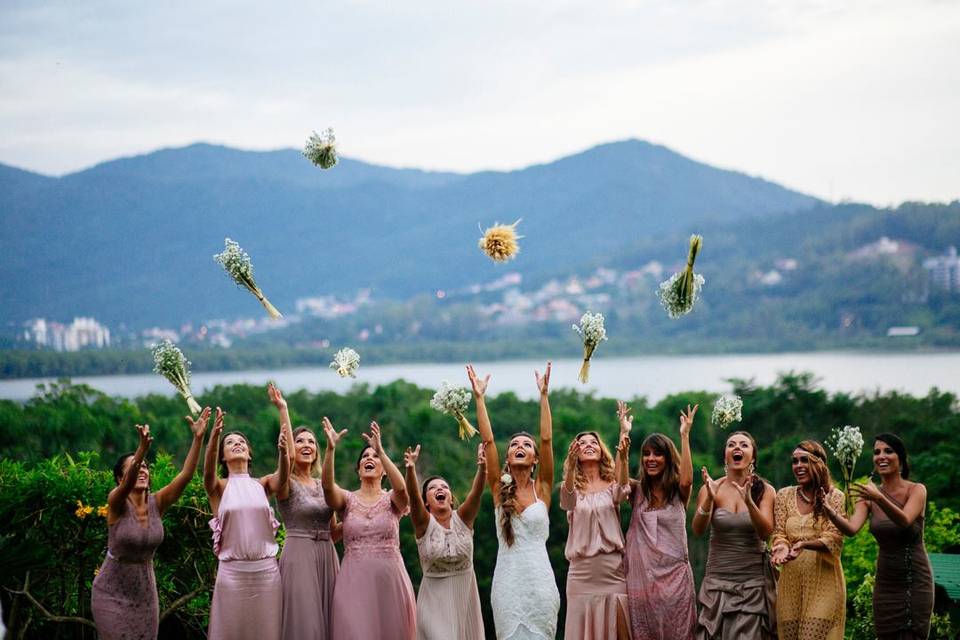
(759, 486)
(606, 463)
(819, 472)
(508, 492)
(222, 459)
(316, 465)
(670, 478)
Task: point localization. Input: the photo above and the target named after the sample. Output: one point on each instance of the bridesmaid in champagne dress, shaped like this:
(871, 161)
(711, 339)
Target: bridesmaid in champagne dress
(738, 592)
(124, 598)
(247, 597)
(308, 563)
(373, 597)
(659, 577)
(903, 593)
(448, 604)
(524, 594)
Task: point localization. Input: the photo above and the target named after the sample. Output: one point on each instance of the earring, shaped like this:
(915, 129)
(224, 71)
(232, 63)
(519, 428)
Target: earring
(724, 467)
(753, 468)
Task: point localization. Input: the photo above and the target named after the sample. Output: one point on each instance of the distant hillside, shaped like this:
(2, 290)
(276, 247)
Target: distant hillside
(130, 241)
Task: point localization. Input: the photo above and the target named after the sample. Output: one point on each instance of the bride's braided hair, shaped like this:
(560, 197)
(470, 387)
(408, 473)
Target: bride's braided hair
(508, 493)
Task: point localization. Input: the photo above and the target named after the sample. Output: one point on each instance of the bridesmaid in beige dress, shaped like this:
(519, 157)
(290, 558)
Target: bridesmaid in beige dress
(448, 604)
(594, 486)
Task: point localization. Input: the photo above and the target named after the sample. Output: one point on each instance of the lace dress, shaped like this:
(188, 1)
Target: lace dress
(373, 597)
(524, 594)
(811, 592)
(448, 604)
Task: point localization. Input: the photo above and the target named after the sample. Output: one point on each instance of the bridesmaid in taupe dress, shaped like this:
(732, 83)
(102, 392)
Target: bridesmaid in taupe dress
(903, 591)
(124, 598)
(738, 593)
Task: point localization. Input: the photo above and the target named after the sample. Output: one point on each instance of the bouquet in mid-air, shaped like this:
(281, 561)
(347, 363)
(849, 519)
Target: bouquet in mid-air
(321, 150)
(847, 445)
(592, 331)
(679, 293)
(726, 410)
(453, 400)
(346, 362)
(499, 242)
(238, 266)
(170, 362)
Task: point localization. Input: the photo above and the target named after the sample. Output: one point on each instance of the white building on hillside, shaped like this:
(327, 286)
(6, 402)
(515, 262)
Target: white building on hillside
(944, 271)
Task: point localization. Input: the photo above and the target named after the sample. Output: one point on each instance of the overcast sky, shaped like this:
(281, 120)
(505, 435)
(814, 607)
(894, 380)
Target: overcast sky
(841, 99)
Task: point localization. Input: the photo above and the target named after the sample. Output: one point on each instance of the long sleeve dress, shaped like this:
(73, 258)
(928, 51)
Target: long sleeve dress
(811, 592)
(596, 583)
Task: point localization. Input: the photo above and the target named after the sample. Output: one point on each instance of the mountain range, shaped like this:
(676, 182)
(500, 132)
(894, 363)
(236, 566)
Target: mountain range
(131, 240)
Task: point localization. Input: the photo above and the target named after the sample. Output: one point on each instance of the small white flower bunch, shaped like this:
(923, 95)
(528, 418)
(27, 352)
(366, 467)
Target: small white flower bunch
(321, 150)
(506, 479)
(847, 445)
(453, 400)
(681, 291)
(239, 267)
(727, 409)
(170, 362)
(592, 331)
(346, 362)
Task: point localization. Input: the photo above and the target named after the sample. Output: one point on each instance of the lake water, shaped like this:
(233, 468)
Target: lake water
(650, 376)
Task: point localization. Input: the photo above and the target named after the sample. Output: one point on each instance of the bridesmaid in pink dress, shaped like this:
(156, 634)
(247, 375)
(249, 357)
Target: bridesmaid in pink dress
(247, 600)
(659, 577)
(373, 597)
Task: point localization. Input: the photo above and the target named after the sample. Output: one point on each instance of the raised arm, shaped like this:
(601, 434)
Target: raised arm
(847, 526)
(903, 518)
(545, 471)
(705, 500)
(686, 460)
(332, 493)
(277, 481)
(486, 432)
(211, 483)
(172, 492)
(622, 462)
(471, 506)
(277, 399)
(400, 498)
(117, 499)
(418, 511)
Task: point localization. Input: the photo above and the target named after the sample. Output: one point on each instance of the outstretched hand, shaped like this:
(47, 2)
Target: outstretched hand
(373, 438)
(143, 430)
(332, 436)
(713, 486)
(481, 456)
(573, 453)
(479, 386)
(198, 426)
(282, 444)
(276, 397)
(410, 457)
(863, 491)
(543, 382)
(218, 424)
(623, 415)
(623, 447)
(686, 419)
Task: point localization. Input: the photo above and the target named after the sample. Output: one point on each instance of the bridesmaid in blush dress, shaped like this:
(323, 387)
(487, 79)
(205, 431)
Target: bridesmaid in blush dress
(448, 604)
(373, 597)
(247, 596)
(659, 577)
(308, 563)
(125, 590)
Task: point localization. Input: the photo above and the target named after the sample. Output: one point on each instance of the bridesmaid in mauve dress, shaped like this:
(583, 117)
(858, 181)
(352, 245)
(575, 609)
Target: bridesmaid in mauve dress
(594, 486)
(373, 597)
(125, 591)
(448, 604)
(308, 563)
(247, 600)
(903, 593)
(738, 592)
(659, 577)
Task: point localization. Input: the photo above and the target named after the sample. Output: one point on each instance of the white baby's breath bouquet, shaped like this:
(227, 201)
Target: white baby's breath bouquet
(680, 292)
(239, 267)
(453, 400)
(847, 445)
(346, 362)
(321, 150)
(593, 333)
(726, 409)
(170, 362)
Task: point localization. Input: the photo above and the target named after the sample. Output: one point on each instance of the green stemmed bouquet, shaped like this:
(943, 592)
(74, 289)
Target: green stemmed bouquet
(592, 331)
(679, 293)
(847, 445)
(321, 150)
(453, 400)
(170, 362)
(238, 266)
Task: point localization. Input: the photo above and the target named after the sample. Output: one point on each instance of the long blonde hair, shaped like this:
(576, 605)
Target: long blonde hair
(606, 463)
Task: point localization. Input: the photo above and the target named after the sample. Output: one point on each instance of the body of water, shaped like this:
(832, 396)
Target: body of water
(650, 376)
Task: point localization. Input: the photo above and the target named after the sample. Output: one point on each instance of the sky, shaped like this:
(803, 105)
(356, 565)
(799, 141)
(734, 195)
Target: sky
(856, 99)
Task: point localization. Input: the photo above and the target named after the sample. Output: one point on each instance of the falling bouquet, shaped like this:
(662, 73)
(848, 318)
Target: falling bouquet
(726, 409)
(847, 445)
(169, 362)
(453, 400)
(499, 242)
(592, 331)
(238, 266)
(679, 293)
(321, 150)
(346, 362)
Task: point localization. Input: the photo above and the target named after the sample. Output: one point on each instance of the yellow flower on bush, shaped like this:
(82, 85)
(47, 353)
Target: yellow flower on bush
(82, 510)
(102, 511)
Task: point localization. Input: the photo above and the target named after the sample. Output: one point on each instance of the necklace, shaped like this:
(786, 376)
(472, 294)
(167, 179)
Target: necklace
(803, 496)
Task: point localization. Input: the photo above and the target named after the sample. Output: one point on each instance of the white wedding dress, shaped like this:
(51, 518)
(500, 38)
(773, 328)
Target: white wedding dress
(524, 595)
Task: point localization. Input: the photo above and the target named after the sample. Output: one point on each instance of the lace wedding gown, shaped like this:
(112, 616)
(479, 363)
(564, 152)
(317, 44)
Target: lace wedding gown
(524, 594)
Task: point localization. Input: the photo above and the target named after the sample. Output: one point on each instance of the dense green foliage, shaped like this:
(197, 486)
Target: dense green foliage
(43, 475)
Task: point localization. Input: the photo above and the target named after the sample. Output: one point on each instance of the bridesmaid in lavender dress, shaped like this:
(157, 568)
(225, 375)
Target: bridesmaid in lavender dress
(247, 597)
(308, 563)
(594, 486)
(125, 591)
(373, 597)
(448, 604)
(659, 577)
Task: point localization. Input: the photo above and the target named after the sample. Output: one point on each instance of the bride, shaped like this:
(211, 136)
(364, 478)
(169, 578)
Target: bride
(524, 595)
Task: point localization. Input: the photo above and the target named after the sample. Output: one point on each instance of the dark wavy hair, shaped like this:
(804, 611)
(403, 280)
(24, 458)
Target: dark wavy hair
(423, 492)
(222, 459)
(670, 479)
(508, 492)
(759, 486)
(899, 448)
(118, 466)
